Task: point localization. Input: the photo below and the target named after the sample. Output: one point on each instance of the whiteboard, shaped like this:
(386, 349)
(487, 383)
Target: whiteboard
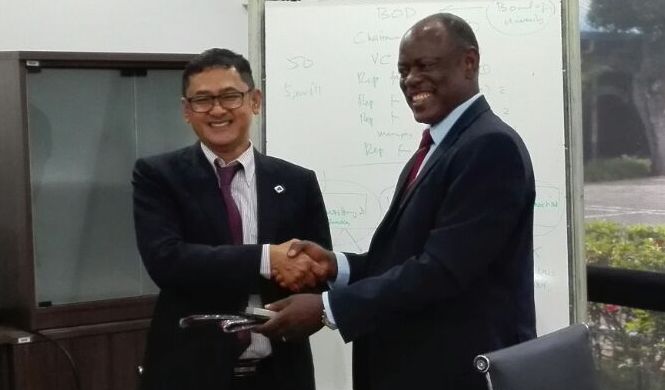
(333, 104)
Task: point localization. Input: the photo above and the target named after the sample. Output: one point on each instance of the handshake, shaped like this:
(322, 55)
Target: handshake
(297, 265)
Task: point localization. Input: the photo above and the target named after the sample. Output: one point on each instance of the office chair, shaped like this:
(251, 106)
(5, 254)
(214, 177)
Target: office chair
(560, 360)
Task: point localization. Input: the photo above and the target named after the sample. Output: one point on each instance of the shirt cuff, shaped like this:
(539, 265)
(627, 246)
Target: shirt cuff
(265, 261)
(327, 311)
(343, 271)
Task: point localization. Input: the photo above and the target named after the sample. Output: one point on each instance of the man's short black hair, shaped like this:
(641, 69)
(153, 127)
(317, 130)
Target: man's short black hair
(217, 58)
(459, 29)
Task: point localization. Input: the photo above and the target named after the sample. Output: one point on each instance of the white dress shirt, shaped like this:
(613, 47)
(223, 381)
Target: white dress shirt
(243, 191)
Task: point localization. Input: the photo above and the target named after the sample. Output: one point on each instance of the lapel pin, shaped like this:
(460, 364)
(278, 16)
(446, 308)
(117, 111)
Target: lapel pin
(279, 189)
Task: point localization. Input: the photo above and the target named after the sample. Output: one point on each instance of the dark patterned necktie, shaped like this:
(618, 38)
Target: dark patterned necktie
(225, 175)
(425, 143)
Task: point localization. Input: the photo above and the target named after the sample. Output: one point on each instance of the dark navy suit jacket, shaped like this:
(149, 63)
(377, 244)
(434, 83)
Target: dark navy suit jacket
(449, 271)
(184, 241)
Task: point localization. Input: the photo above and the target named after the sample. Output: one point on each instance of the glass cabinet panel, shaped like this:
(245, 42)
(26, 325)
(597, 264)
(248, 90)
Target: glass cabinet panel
(86, 129)
(160, 125)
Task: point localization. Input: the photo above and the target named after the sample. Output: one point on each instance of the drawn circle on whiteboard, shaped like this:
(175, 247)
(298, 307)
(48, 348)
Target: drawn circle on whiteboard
(520, 17)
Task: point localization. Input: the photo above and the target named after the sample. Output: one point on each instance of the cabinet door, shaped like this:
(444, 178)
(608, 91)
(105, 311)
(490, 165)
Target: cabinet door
(5, 367)
(103, 362)
(82, 148)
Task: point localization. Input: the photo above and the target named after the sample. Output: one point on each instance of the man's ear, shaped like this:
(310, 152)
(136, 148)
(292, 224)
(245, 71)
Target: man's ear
(256, 101)
(471, 63)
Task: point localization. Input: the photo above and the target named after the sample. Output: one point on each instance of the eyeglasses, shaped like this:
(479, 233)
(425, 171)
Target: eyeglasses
(228, 100)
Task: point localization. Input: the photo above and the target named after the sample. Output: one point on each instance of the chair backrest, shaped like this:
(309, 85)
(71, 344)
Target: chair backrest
(561, 360)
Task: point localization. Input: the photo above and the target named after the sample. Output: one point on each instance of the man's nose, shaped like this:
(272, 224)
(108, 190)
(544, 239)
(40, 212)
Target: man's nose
(217, 107)
(412, 78)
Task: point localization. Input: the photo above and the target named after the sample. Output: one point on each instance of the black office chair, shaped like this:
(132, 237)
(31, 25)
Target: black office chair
(560, 360)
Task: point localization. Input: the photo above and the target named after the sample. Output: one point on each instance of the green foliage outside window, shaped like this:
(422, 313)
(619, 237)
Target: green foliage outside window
(629, 344)
(620, 168)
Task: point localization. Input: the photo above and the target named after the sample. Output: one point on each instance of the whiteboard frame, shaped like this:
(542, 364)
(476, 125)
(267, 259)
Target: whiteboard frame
(572, 90)
(575, 162)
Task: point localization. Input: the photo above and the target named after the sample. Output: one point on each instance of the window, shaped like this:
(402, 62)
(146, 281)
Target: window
(623, 92)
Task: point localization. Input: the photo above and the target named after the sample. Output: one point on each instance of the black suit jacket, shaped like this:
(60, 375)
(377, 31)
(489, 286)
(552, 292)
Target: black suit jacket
(449, 271)
(184, 241)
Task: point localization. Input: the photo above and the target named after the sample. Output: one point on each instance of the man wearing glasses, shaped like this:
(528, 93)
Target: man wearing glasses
(206, 216)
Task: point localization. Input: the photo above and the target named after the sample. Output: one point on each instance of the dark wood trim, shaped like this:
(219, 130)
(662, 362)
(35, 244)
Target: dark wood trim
(91, 330)
(16, 278)
(9, 335)
(27, 286)
(9, 112)
(86, 313)
(94, 312)
(101, 60)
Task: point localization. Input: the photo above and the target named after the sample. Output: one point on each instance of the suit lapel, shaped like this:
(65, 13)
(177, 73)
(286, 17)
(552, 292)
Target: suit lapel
(469, 116)
(201, 177)
(401, 182)
(267, 178)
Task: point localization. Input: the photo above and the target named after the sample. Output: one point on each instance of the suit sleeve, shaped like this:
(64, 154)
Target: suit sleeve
(171, 261)
(485, 203)
(357, 266)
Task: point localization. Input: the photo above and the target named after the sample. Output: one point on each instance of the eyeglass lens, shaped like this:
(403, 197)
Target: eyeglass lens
(228, 101)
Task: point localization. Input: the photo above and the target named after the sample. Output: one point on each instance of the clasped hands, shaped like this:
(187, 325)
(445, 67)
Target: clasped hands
(297, 265)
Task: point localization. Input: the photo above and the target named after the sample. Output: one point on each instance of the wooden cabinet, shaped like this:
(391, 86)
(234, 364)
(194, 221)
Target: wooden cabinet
(72, 126)
(106, 357)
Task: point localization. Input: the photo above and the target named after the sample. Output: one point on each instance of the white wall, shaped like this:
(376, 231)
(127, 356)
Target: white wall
(145, 26)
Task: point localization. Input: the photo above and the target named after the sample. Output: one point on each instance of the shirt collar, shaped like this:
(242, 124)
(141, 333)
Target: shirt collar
(246, 159)
(439, 130)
